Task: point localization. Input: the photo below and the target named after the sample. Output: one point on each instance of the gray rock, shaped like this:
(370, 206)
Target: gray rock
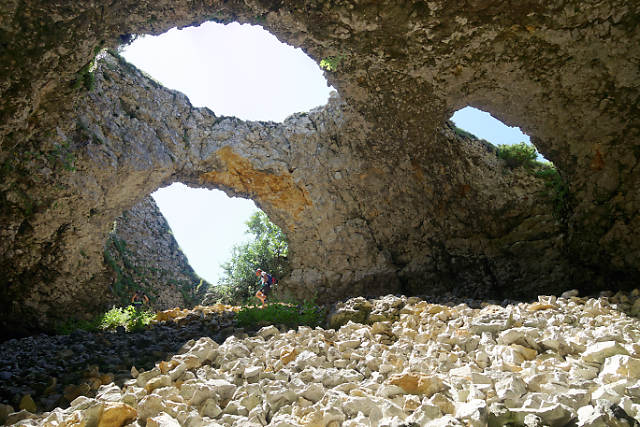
(377, 191)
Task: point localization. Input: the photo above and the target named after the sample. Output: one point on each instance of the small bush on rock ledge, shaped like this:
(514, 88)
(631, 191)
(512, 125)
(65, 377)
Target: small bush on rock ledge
(517, 155)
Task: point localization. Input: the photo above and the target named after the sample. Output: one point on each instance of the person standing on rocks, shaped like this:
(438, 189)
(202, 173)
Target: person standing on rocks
(266, 280)
(139, 298)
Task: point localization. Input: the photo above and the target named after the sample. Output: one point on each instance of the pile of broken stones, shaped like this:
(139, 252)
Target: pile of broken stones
(393, 361)
(42, 372)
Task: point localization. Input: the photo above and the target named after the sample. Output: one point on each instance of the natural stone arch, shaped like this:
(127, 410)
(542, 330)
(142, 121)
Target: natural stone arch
(284, 169)
(267, 162)
(346, 237)
(399, 193)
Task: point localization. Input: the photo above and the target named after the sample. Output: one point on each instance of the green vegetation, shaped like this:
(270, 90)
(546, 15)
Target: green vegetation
(268, 251)
(331, 63)
(518, 155)
(70, 325)
(463, 133)
(280, 313)
(132, 275)
(85, 77)
(130, 318)
(556, 189)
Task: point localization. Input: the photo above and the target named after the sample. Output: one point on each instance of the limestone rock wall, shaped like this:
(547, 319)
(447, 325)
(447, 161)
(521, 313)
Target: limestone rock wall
(375, 192)
(345, 211)
(143, 254)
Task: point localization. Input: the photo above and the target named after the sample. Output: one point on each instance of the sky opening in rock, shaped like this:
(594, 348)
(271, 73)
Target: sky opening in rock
(243, 71)
(485, 126)
(234, 70)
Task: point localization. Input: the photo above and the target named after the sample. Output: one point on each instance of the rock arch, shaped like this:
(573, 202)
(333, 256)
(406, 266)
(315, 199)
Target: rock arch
(377, 192)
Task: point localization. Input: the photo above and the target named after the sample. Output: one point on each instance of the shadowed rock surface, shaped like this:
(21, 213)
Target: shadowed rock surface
(376, 192)
(143, 255)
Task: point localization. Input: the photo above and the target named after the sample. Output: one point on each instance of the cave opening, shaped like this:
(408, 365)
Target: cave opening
(207, 224)
(180, 248)
(234, 70)
(483, 125)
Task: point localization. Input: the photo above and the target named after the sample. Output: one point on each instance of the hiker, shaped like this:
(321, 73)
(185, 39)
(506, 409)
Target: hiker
(139, 298)
(266, 280)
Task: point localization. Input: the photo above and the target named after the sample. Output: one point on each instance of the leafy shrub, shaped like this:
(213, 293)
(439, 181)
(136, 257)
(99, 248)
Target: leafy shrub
(547, 172)
(330, 63)
(129, 317)
(280, 313)
(85, 77)
(517, 155)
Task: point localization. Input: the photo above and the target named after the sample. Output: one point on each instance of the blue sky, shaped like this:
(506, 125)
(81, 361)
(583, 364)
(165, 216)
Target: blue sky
(485, 126)
(235, 70)
(243, 71)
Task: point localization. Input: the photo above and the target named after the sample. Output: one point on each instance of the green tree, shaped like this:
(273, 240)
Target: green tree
(517, 155)
(267, 250)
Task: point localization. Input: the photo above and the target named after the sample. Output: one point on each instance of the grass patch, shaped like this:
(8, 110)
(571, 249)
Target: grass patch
(130, 318)
(281, 313)
(67, 326)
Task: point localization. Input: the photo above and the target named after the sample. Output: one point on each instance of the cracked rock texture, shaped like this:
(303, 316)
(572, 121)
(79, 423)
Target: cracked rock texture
(375, 191)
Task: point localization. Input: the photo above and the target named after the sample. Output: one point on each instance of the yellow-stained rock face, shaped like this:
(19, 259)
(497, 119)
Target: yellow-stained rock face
(280, 192)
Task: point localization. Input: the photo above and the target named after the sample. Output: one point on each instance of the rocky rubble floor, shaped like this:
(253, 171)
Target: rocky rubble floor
(565, 361)
(43, 371)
